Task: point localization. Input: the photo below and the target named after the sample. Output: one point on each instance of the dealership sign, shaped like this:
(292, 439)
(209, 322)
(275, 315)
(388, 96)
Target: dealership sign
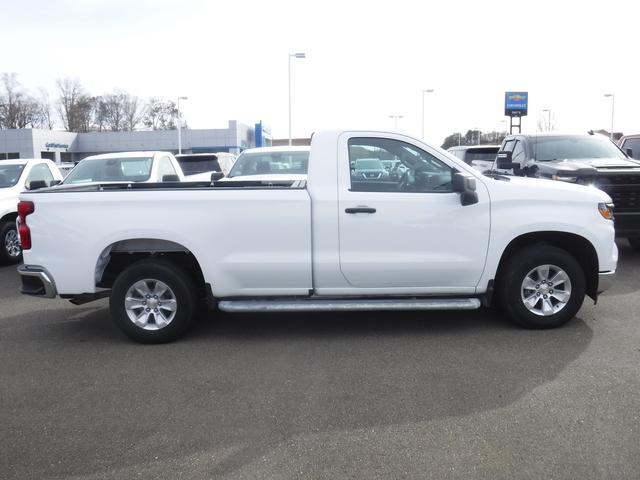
(516, 104)
(56, 145)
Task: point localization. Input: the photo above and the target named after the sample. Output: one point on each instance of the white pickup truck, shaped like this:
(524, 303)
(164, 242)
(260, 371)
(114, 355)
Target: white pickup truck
(442, 236)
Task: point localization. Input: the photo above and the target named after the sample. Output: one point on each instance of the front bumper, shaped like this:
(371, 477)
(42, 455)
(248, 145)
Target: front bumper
(605, 281)
(37, 281)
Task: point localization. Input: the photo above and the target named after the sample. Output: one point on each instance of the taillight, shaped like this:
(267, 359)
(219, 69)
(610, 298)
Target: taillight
(24, 209)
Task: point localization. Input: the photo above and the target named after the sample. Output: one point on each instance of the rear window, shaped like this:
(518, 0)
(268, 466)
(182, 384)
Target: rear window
(265, 163)
(111, 170)
(485, 154)
(198, 164)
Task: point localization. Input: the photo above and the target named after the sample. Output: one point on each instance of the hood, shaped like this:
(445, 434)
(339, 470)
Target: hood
(531, 189)
(7, 193)
(589, 163)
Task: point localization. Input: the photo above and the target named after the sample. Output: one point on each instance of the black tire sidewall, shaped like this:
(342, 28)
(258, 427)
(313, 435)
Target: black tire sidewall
(525, 261)
(166, 272)
(635, 243)
(5, 258)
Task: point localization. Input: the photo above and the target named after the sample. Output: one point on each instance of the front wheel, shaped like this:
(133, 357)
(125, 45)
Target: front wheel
(542, 287)
(635, 243)
(10, 251)
(153, 301)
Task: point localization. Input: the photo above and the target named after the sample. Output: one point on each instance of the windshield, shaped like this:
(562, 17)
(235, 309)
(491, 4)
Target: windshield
(199, 164)
(281, 163)
(111, 170)
(573, 147)
(9, 175)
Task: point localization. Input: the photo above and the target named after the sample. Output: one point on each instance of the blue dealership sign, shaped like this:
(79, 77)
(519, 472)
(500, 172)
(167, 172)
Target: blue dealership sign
(516, 104)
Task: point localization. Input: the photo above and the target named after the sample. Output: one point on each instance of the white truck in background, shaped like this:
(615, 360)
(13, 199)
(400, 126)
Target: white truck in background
(440, 236)
(15, 177)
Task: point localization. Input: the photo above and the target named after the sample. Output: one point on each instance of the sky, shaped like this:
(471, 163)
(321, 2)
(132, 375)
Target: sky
(366, 60)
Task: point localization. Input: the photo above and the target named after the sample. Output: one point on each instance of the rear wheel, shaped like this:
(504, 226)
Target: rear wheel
(153, 301)
(635, 243)
(10, 251)
(542, 287)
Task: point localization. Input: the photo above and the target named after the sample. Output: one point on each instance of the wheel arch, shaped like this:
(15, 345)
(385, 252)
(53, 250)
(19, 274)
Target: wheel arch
(575, 245)
(9, 217)
(117, 256)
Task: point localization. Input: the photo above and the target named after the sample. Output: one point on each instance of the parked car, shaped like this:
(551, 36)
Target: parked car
(481, 157)
(270, 164)
(423, 243)
(630, 144)
(65, 168)
(200, 166)
(584, 159)
(126, 167)
(16, 176)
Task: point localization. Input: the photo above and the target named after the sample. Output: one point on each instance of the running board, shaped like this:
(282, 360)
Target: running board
(347, 305)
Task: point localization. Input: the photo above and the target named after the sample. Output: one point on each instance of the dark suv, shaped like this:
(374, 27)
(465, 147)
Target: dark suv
(584, 159)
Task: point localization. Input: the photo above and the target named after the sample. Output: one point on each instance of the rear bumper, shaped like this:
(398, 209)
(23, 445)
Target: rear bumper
(37, 281)
(605, 281)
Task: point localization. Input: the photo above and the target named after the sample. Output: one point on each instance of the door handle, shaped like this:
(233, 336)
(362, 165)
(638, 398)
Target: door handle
(360, 210)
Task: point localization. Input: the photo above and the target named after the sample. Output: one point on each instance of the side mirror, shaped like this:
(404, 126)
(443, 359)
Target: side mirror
(36, 185)
(465, 185)
(215, 176)
(55, 182)
(170, 178)
(503, 160)
(629, 152)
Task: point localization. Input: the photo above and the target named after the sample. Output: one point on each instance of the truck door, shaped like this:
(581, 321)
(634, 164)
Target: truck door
(405, 228)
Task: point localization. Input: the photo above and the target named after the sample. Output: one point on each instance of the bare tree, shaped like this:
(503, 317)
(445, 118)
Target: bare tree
(75, 106)
(18, 109)
(160, 114)
(46, 119)
(134, 112)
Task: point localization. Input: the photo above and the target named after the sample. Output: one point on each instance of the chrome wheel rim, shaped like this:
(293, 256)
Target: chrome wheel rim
(12, 243)
(546, 290)
(150, 304)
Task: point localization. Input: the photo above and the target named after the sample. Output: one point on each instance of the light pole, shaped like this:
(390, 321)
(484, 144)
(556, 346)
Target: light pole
(428, 90)
(395, 120)
(292, 55)
(180, 125)
(613, 102)
(548, 112)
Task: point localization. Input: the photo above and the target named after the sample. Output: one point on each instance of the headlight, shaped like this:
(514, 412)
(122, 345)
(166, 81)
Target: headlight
(606, 210)
(564, 178)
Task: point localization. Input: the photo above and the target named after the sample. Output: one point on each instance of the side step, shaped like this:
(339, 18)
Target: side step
(348, 305)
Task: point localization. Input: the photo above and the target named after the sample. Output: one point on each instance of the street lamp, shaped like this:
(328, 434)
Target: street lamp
(395, 120)
(292, 55)
(613, 101)
(428, 90)
(548, 111)
(180, 125)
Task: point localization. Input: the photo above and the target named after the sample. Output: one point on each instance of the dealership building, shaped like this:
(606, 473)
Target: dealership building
(72, 147)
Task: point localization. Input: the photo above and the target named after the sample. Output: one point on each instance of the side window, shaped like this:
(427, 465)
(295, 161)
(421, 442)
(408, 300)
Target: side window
(166, 168)
(508, 146)
(518, 155)
(410, 169)
(40, 172)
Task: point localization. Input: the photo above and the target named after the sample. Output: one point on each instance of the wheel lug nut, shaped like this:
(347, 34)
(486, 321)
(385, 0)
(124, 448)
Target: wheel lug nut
(537, 285)
(538, 294)
(148, 296)
(144, 303)
(155, 310)
(544, 296)
(550, 291)
(148, 309)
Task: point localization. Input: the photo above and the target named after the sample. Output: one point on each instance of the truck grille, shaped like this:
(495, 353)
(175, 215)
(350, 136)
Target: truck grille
(624, 190)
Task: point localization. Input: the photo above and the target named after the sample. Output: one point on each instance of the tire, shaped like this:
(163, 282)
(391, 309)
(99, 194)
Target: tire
(520, 282)
(159, 319)
(10, 252)
(635, 243)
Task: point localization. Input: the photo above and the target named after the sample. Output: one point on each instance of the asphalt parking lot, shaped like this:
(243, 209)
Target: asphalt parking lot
(411, 395)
